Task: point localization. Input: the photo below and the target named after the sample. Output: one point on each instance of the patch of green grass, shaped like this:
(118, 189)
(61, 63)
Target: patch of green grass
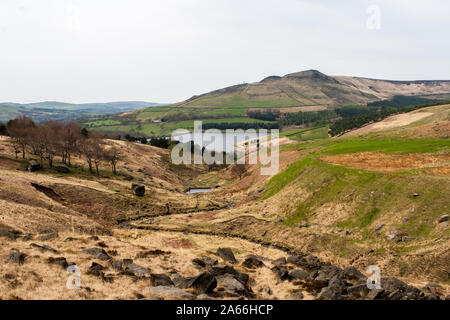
(101, 123)
(280, 180)
(354, 145)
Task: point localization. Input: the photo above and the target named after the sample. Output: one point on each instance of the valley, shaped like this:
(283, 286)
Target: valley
(377, 195)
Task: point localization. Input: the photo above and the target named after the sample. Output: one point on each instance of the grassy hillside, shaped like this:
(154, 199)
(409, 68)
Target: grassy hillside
(307, 91)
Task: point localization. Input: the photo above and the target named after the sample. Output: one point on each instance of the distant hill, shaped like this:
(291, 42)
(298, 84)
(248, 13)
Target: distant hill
(42, 111)
(313, 88)
(305, 91)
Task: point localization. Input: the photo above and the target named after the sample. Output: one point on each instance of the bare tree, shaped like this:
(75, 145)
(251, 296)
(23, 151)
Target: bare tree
(70, 136)
(239, 169)
(113, 156)
(19, 130)
(87, 149)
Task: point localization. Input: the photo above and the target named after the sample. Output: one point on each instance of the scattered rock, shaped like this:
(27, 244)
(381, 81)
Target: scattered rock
(160, 280)
(151, 253)
(181, 282)
(27, 237)
(117, 265)
(299, 274)
(374, 294)
(96, 269)
(136, 270)
(358, 290)
(252, 262)
(415, 195)
(226, 254)
(60, 261)
(205, 282)
(302, 224)
(171, 292)
(433, 288)
(397, 235)
(101, 244)
(263, 233)
(98, 253)
(9, 233)
(138, 190)
(346, 232)
(296, 295)
(126, 262)
(49, 236)
(281, 272)
(279, 262)
(328, 293)
(443, 218)
(204, 262)
(43, 248)
(16, 256)
(379, 227)
(231, 286)
(266, 290)
(204, 296)
(405, 219)
(353, 274)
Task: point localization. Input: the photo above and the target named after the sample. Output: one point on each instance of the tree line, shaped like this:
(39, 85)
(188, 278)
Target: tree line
(53, 139)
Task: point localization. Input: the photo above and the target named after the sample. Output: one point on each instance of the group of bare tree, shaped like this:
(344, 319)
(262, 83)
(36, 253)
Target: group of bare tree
(52, 139)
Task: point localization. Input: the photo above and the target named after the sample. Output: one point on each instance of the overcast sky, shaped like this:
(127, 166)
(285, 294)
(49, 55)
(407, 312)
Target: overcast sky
(169, 50)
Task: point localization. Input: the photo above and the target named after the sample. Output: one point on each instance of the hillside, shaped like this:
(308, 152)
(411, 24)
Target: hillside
(337, 206)
(306, 91)
(42, 111)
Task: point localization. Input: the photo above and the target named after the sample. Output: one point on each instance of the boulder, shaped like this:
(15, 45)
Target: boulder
(358, 290)
(60, 261)
(171, 292)
(328, 293)
(48, 236)
(204, 282)
(299, 274)
(33, 165)
(160, 280)
(252, 262)
(117, 265)
(138, 190)
(204, 262)
(279, 262)
(281, 272)
(443, 218)
(353, 274)
(226, 254)
(180, 281)
(15, 256)
(43, 248)
(96, 269)
(231, 286)
(136, 270)
(98, 253)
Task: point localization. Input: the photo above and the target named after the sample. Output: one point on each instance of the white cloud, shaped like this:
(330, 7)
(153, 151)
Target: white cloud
(168, 50)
